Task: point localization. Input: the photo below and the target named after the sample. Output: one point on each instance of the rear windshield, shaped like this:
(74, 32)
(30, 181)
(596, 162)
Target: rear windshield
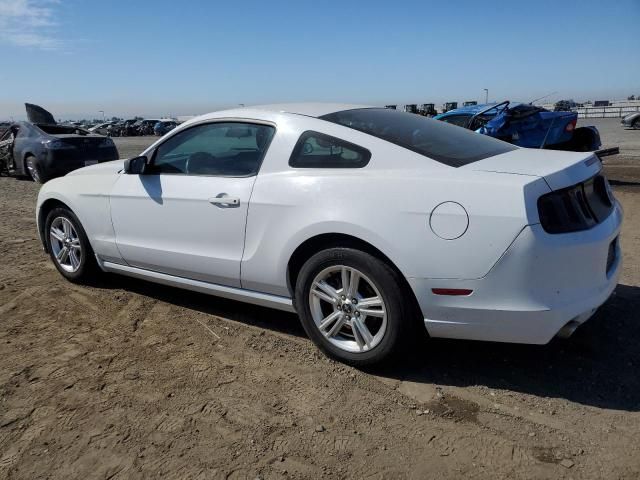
(448, 144)
(62, 129)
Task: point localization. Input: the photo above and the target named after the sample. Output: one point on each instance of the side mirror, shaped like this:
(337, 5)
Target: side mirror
(136, 165)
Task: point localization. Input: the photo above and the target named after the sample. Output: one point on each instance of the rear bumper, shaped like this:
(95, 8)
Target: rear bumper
(61, 162)
(541, 283)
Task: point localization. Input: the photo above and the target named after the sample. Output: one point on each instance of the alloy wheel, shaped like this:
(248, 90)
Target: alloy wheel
(65, 244)
(33, 170)
(348, 309)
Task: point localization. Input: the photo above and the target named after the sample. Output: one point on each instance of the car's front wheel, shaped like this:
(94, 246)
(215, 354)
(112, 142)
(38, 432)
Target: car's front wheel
(69, 246)
(352, 306)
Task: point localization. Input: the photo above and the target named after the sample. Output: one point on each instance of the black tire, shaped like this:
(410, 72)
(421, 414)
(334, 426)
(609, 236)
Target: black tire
(399, 316)
(34, 170)
(583, 139)
(636, 124)
(88, 267)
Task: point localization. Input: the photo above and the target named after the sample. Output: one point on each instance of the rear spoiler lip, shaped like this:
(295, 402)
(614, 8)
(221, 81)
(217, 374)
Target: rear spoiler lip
(606, 152)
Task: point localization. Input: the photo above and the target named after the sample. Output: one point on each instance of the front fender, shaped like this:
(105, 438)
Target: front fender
(46, 196)
(87, 196)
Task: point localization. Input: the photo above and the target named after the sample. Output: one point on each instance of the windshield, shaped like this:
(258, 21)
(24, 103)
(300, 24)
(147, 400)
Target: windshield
(447, 144)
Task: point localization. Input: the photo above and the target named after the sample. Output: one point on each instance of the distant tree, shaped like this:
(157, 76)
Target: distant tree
(632, 97)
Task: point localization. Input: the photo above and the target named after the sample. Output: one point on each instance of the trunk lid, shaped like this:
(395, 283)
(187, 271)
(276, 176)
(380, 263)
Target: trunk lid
(36, 114)
(559, 169)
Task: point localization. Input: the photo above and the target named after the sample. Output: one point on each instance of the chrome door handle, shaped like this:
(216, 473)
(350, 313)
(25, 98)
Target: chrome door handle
(223, 200)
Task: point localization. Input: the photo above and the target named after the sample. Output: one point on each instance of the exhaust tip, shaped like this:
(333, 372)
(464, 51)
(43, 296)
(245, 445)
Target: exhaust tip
(568, 329)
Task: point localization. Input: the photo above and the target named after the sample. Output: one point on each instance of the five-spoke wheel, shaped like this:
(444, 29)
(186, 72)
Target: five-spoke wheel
(352, 305)
(65, 244)
(347, 308)
(69, 246)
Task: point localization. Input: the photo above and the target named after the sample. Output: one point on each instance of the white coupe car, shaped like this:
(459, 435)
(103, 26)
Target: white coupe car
(367, 222)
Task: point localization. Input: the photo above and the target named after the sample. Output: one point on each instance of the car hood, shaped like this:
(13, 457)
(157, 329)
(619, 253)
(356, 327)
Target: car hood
(105, 168)
(559, 169)
(37, 114)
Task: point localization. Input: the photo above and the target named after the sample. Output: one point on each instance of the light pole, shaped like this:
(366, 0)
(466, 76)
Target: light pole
(102, 112)
(486, 95)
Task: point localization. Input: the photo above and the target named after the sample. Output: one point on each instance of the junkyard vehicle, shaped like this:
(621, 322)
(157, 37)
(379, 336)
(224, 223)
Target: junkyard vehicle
(116, 129)
(527, 125)
(564, 106)
(469, 103)
(146, 126)
(101, 129)
(449, 106)
(163, 127)
(631, 121)
(127, 128)
(411, 108)
(392, 107)
(372, 224)
(428, 110)
(42, 149)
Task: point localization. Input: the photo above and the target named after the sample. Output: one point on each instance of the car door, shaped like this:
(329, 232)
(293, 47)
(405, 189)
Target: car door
(186, 215)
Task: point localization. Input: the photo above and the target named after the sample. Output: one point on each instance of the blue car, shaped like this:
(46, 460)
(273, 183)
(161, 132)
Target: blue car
(526, 125)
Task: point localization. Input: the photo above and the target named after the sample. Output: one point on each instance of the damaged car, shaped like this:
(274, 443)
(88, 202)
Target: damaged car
(631, 121)
(43, 149)
(527, 125)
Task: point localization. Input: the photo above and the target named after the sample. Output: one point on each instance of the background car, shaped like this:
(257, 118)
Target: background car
(526, 125)
(146, 126)
(374, 225)
(164, 126)
(101, 129)
(631, 121)
(42, 149)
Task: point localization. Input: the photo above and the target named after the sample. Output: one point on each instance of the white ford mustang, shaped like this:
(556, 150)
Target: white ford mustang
(362, 220)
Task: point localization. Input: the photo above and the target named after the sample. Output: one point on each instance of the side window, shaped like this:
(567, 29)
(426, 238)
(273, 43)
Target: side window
(228, 149)
(317, 150)
(459, 120)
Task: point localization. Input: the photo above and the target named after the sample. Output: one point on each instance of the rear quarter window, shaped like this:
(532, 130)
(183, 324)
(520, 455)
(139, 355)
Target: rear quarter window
(317, 150)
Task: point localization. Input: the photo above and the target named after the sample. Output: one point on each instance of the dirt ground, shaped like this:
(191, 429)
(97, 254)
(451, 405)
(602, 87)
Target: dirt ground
(126, 379)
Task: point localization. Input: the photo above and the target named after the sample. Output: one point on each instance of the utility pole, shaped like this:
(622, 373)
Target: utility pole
(486, 95)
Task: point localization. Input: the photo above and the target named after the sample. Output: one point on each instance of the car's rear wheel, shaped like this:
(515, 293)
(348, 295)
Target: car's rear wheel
(69, 246)
(352, 306)
(34, 169)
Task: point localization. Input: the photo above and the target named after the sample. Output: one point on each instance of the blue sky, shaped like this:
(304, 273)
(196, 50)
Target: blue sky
(160, 57)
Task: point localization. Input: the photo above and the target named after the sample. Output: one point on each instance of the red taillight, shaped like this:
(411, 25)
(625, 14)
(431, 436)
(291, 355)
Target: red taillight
(452, 291)
(571, 126)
